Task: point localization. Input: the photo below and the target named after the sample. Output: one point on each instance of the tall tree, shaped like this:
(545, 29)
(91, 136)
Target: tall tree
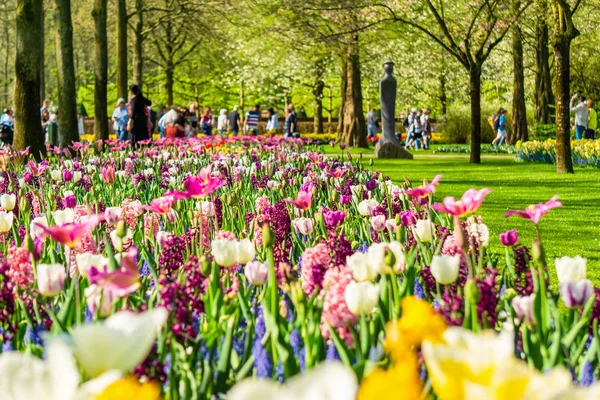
(354, 127)
(122, 48)
(28, 131)
(317, 90)
(543, 81)
(100, 70)
(43, 58)
(564, 33)
(67, 94)
(138, 46)
(519, 111)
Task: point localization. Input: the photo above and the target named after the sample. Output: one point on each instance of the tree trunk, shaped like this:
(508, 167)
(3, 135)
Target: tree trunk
(67, 95)
(343, 90)
(519, 112)
(354, 128)
(475, 91)
(138, 47)
(562, 83)
(28, 130)
(169, 72)
(330, 109)
(543, 81)
(7, 45)
(443, 92)
(100, 71)
(318, 109)
(122, 48)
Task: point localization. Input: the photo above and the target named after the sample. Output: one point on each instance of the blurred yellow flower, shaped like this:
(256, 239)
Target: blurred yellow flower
(130, 389)
(418, 322)
(401, 381)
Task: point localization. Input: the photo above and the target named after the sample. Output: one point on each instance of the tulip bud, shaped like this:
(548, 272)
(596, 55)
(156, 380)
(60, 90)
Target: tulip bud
(29, 245)
(472, 292)
(389, 259)
(50, 279)
(398, 220)
(354, 244)
(538, 251)
(314, 190)
(204, 265)
(380, 177)
(335, 196)
(268, 236)
(24, 205)
(121, 229)
(510, 294)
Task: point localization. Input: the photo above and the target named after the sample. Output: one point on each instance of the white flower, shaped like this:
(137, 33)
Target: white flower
(148, 172)
(120, 343)
(117, 241)
(224, 252)
(67, 193)
(90, 169)
(120, 174)
(34, 229)
(362, 270)
(8, 201)
(112, 214)
(172, 171)
(523, 306)
(445, 268)
(6, 221)
(87, 260)
(391, 224)
(22, 182)
(76, 176)
(480, 232)
(56, 175)
(366, 207)
(424, 230)
(273, 184)
(208, 208)
(380, 260)
(570, 269)
(378, 223)
(245, 251)
(328, 381)
(361, 297)
(576, 294)
(256, 272)
(65, 216)
(303, 225)
(93, 294)
(51, 279)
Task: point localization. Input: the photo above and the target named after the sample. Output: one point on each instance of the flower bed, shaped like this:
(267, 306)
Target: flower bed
(585, 152)
(188, 269)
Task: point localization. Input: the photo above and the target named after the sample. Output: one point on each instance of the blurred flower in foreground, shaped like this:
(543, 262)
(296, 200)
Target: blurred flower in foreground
(130, 389)
(570, 269)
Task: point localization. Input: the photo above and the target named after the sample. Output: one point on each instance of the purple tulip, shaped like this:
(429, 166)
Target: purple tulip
(371, 185)
(576, 294)
(407, 218)
(345, 199)
(67, 175)
(333, 218)
(70, 201)
(28, 177)
(509, 238)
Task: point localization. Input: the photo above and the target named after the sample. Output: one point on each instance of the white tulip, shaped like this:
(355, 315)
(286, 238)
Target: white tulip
(117, 241)
(34, 230)
(8, 201)
(87, 260)
(245, 251)
(377, 257)
(305, 226)
(94, 294)
(65, 216)
(361, 297)
(208, 208)
(445, 268)
(257, 272)
(570, 269)
(362, 270)
(77, 175)
(424, 230)
(112, 214)
(51, 279)
(120, 174)
(328, 381)
(56, 175)
(224, 252)
(366, 207)
(67, 193)
(6, 221)
(120, 342)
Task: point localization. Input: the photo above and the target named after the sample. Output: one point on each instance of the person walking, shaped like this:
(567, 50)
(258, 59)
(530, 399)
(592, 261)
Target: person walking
(206, 122)
(426, 128)
(500, 126)
(290, 128)
(592, 125)
(222, 122)
(234, 121)
(581, 115)
(273, 122)
(139, 115)
(120, 118)
(251, 123)
(371, 124)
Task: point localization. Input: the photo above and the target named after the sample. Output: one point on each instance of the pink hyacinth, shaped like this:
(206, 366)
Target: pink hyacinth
(335, 310)
(20, 270)
(315, 261)
(535, 212)
(262, 204)
(425, 190)
(130, 211)
(225, 235)
(151, 225)
(468, 203)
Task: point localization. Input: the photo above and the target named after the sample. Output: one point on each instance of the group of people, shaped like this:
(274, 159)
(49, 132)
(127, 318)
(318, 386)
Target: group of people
(586, 118)
(418, 129)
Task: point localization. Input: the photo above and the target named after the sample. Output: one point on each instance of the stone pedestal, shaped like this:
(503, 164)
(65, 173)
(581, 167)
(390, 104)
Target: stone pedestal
(390, 150)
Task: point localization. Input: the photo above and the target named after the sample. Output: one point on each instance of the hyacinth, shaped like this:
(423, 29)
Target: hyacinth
(315, 261)
(20, 269)
(152, 369)
(488, 299)
(225, 235)
(595, 311)
(262, 361)
(262, 204)
(130, 211)
(7, 304)
(151, 224)
(171, 256)
(523, 280)
(340, 248)
(335, 311)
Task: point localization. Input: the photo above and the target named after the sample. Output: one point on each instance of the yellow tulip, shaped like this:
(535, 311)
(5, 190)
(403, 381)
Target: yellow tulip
(400, 381)
(130, 389)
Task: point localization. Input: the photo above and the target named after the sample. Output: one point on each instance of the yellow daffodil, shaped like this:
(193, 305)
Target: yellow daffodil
(401, 381)
(130, 389)
(418, 322)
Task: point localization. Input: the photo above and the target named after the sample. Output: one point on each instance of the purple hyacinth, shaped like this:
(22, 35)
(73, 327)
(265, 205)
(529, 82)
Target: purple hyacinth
(262, 360)
(587, 374)
(332, 353)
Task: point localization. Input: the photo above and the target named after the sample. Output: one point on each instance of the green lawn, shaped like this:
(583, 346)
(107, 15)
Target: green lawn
(571, 230)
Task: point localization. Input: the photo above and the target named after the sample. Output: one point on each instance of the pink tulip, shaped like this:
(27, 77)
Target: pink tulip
(535, 212)
(35, 169)
(120, 282)
(303, 200)
(197, 187)
(468, 203)
(509, 238)
(108, 175)
(161, 205)
(378, 223)
(24, 152)
(70, 234)
(425, 190)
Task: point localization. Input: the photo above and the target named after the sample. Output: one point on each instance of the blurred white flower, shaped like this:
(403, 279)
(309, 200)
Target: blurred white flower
(570, 269)
(445, 269)
(361, 297)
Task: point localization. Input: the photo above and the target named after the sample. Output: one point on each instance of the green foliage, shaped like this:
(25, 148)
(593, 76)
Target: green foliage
(455, 126)
(544, 131)
(485, 149)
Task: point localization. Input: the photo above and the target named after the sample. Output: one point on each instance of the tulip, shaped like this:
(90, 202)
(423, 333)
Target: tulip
(112, 214)
(35, 228)
(76, 176)
(120, 343)
(407, 218)
(576, 294)
(305, 226)
(333, 219)
(328, 381)
(120, 282)
(509, 238)
(51, 279)
(208, 208)
(70, 201)
(523, 306)
(424, 230)
(535, 212)
(198, 187)
(366, 207)
(6, 221)
(85, 261)
(55, 175)
(67, 175)
(118, 241)
(303, 199)
(362, 270)
(93, 294)
(160, 205)
(162, 237)
(245, 251)
(391, 224)
(445, 269)
(570, 269)
(256, 272)
(361, 297)
(8, 201)
(108, 175)
(378, 223)
(70, 234)
(62, 217)
(424, 190)
(224, 252)
(470, 202)
(386, 258)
